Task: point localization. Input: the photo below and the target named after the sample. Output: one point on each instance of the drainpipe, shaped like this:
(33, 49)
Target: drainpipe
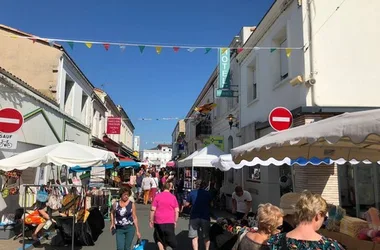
(311, 80)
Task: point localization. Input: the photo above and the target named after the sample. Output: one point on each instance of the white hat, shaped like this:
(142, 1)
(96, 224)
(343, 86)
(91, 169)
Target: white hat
(288, 202)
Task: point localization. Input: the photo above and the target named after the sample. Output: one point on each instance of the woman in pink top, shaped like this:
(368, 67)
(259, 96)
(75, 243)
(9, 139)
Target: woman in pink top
(163, 218)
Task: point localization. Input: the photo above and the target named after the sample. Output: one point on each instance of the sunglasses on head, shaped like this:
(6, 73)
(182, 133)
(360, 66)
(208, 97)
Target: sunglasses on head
(280, 228)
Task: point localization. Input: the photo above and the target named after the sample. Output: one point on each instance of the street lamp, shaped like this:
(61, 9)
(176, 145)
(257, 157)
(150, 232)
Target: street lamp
(231, 119)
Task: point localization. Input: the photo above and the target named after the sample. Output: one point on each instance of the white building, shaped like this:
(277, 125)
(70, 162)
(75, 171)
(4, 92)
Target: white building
(332, 67)
(159, 156)
(44, 124)
(136, 143)
(216, 127)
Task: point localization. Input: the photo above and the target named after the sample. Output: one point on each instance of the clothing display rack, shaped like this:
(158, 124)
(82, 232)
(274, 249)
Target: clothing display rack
(27, 186)
(110, 197)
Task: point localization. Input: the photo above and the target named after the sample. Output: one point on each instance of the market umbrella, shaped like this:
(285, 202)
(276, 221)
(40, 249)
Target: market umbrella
(64, 153)
(349, 136)
(124, 163)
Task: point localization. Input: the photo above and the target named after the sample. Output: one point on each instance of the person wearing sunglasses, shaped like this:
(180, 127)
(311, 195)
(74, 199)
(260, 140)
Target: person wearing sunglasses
(269, 222)
(310, 213)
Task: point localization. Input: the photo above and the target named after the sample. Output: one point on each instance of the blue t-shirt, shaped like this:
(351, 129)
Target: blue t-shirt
(200, 200)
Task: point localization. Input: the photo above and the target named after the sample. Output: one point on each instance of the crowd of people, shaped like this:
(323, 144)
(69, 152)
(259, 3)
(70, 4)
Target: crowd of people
(292, 225)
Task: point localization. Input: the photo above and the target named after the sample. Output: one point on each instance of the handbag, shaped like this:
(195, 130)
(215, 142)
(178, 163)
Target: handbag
(42, 195)
(54, 201)
(5, 190)
(140, 244)
(30, 198)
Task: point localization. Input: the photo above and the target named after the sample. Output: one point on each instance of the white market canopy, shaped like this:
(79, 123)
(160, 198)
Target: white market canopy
(225, 162)
(181, 163)
(203, 158)
(349, 136)
(64, 153)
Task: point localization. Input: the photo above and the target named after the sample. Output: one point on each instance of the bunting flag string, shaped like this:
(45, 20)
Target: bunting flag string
(158, 48)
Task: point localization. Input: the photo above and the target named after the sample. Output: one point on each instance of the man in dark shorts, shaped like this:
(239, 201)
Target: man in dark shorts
(200, 201)
(163, 218)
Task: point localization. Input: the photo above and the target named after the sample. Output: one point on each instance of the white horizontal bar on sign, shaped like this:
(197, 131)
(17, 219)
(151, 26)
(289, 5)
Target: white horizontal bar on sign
(9, 120)
(281, 119)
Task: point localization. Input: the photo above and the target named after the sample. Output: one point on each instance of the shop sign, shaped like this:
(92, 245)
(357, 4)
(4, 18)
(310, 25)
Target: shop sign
(8, 141)
(113, 125)
(224, 69)
(216, 140)
(225, 93)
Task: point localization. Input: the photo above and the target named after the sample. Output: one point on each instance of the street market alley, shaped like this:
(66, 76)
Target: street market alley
(107, 241)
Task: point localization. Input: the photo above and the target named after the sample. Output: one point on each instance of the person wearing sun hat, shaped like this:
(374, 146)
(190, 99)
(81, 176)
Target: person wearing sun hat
(287, 204)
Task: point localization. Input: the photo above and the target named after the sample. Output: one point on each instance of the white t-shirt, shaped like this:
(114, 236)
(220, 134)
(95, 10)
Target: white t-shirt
(241, 205)
(155, 182)
(147, 183)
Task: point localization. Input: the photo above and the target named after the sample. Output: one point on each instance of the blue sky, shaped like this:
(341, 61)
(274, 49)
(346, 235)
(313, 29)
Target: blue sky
(147, 85)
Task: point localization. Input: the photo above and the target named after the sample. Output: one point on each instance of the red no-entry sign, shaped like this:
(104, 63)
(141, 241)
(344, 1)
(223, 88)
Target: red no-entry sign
(280, 118)
(11, 120)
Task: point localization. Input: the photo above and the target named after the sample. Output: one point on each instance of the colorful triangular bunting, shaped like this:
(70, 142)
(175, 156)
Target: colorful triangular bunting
(191, 49)
(207, 50)
(272, 50)
(122, 48)
(224, 50)
(141, 47)
(14, 36)
(158, 49)
(239, 50)
(176, 49)
(89, 45)
(71, 44)
(106, 46)
(288, 52)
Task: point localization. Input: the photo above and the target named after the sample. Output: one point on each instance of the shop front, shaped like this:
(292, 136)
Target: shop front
(347, 145)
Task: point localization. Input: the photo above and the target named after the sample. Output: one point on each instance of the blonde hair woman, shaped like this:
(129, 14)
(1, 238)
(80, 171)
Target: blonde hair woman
(269, 218)
(310, 213)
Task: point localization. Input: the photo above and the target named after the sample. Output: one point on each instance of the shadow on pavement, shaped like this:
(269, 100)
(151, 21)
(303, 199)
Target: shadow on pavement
(183, 242)
(49, 247)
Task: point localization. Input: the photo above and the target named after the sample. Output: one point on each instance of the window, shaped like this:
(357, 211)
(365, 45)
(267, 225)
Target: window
(254, 173)
(284, 68)
(252, 85)
(84, 108)
(68, 101)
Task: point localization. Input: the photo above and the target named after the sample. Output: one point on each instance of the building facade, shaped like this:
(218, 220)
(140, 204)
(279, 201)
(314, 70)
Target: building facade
(136, 143)
(158, 156)
(44, 124)
(178, 142)
(215, 127)
(50, 70)
(119, 143)
(302, 63)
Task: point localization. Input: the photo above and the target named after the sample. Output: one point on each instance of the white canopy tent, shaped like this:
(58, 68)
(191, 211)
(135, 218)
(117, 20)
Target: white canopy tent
(350, 136)
(181, 163)
(201, 159)
(204, 157)
(225, 162)
(64, 153)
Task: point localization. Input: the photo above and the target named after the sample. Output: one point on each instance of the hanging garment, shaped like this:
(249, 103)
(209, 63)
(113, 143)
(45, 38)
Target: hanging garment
(3, 205)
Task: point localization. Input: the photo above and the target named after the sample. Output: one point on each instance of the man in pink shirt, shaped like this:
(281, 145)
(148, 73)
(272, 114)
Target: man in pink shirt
(163, 218)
